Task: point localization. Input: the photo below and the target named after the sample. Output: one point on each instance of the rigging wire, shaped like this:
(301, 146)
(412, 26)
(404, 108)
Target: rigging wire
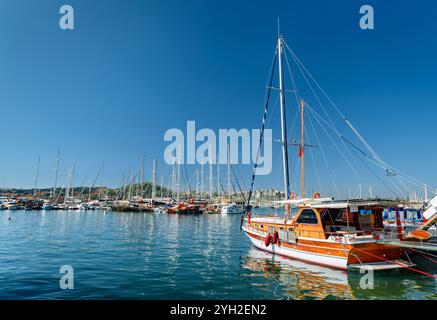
(322, 107)
(325, 159)
(375, 156)
(272, 69)
(333, 142)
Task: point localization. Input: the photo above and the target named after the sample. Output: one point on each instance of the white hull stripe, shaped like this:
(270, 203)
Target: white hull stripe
(332, 261)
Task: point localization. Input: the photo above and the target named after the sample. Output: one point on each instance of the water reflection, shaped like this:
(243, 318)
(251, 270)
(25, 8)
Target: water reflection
(293, 279)
(159, 256)
(299, 280)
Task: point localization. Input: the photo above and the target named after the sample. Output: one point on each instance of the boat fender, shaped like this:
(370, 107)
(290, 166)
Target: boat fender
(275, 237)
(268, 240)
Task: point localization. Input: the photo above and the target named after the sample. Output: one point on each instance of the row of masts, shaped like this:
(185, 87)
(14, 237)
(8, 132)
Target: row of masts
(129, 189)
(200, 179)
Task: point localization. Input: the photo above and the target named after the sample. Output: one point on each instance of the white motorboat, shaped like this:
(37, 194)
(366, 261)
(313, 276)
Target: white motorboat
(231, 209)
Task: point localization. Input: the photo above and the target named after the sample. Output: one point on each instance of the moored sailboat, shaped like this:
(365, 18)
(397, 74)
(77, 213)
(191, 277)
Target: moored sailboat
(338, 234)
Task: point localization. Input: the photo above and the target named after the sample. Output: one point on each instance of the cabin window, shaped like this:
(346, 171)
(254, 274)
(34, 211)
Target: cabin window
(307, 217)
(262, 227)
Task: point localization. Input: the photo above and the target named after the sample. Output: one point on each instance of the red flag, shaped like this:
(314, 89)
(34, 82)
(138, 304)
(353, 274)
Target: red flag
(248, 217)
(300, 152)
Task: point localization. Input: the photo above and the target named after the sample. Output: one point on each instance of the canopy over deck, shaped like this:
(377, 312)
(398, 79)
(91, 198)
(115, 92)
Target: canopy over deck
(354, 203)
(330, 203)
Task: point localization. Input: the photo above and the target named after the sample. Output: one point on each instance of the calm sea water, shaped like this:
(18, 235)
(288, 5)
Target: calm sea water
(159, 256)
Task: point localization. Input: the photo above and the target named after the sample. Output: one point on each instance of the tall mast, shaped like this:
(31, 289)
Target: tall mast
(89, 190)
(101, 179)
(201, 180)
(197, 183)
(142, 178)
(154, 180)
(173, 178)
(178, 175)
(56, 174)
(71, 178)
(123, 189)
(302, 145)
(283, 123)
(162, 186)
(211, 177)
(229, 175)
(218, 178)
(177, 182)
(130, 185)
(67, 187)
(35, 191)
(138, 184)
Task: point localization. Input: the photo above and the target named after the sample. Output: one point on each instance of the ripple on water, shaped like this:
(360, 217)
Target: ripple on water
(158, 256)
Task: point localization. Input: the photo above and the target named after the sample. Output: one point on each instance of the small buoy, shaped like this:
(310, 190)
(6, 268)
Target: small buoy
(267, 240)
(9, 218)
(275, 237)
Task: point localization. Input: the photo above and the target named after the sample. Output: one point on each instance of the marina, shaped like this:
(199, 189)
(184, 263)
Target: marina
(218, 150)
(158, 256)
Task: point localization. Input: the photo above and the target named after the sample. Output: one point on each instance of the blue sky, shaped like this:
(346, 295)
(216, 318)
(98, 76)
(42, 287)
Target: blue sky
(130, 70)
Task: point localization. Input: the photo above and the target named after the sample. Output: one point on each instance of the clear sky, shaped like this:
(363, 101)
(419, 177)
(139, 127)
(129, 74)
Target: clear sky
(108, 90)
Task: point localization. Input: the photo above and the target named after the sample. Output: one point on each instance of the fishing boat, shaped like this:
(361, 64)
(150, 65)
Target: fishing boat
(337, 234)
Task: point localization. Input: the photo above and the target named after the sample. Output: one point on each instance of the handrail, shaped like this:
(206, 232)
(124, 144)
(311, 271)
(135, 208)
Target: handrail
(325, 234)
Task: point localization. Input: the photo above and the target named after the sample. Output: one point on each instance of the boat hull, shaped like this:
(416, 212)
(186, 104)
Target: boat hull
(332, 254)
(315, 258)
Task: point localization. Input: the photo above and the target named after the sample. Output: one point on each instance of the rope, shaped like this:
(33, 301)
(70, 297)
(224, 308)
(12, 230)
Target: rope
(395, 262)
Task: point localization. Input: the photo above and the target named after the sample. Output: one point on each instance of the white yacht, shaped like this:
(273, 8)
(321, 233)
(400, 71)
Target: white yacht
(231, 209)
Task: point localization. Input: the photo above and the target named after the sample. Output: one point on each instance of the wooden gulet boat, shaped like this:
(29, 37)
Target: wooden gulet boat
(332, 234)
(341, 234)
